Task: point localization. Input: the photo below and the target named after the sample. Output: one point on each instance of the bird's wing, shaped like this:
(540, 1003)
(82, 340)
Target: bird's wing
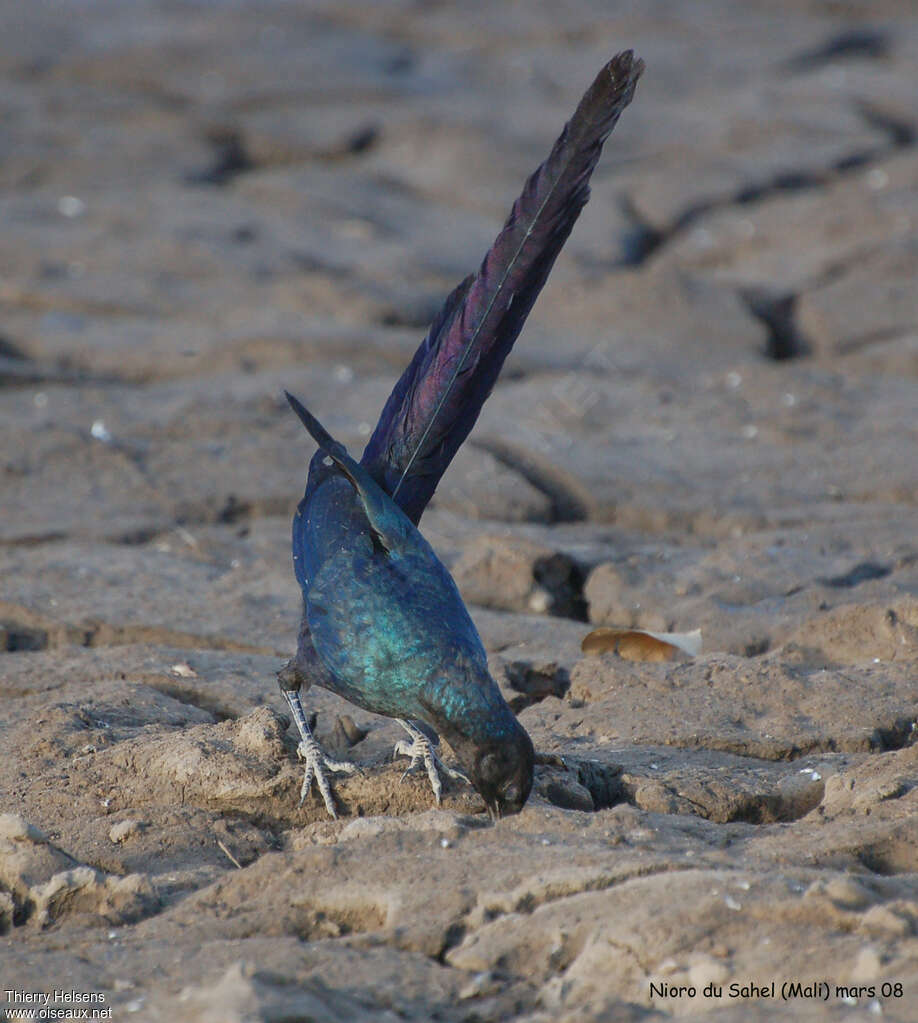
(387, 523)
(380, 627)
(437, 400)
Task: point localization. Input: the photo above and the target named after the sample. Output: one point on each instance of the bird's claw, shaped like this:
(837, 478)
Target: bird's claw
(317, 762)
(420, 750)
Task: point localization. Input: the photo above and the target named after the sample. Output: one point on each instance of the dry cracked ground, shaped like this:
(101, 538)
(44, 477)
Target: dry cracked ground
(710, 422)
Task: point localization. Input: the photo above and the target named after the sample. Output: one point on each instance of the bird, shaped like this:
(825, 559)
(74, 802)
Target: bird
(383, 623)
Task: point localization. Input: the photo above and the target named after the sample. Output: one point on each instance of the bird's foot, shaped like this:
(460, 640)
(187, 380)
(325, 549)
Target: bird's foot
(421, 751)
(317, 763)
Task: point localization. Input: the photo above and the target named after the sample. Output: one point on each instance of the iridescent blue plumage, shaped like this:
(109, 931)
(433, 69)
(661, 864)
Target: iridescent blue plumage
(389, 626)
(384, 625)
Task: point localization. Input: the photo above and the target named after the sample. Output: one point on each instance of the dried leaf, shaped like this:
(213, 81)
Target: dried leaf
(641, 645)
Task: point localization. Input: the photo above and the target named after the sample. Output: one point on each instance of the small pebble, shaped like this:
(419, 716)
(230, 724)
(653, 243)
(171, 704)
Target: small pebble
(70, 206)
(99, 431)
(124, 830)
(480, 985)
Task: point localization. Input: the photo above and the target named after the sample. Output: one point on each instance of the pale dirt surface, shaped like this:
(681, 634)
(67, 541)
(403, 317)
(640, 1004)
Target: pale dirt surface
(710, 422)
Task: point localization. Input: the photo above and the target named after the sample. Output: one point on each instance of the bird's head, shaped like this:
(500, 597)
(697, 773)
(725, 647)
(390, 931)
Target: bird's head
(501, 772)
(466, 707)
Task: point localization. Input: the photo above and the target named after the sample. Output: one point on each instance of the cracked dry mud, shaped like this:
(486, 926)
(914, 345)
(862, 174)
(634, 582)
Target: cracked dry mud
(709, 422)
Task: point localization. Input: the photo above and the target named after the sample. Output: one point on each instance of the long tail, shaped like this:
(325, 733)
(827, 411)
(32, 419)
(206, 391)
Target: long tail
(439, 396)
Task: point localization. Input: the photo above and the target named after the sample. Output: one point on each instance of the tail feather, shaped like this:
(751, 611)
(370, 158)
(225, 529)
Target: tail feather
(437, 400)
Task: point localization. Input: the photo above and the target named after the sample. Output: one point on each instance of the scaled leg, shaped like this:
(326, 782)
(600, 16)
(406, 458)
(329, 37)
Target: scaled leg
(317, 762)
(421, 750)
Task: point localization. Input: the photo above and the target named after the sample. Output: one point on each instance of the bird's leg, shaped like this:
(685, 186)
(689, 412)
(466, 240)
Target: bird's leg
(421, 750)
(316, 761)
